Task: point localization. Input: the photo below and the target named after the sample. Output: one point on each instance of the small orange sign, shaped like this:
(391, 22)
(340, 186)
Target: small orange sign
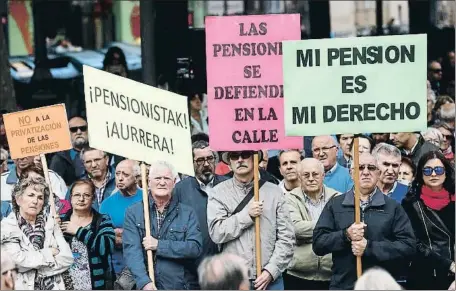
(37, 131)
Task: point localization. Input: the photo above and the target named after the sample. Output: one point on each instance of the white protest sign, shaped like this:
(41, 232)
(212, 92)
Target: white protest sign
(137, 121)
(355, 85)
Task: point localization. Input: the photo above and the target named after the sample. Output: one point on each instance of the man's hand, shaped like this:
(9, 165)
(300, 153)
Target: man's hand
(358, 247)
(150, 286)
(256, 208)
(263, 280)
(150, 243)
(118, 232)
(356, 231)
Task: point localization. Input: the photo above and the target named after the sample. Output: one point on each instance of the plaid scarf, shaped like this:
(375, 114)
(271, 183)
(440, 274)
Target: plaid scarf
(34, 234)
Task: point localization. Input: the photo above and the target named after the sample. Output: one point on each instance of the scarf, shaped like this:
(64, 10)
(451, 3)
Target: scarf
(34, 234)
(436, 200)
(448, 153)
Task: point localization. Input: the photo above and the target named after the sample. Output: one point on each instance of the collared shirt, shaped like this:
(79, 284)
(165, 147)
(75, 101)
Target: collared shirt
(315, 207)
(205, 187)
(413, 148)
(364, 204)
(161, 216)
(99, 191)
(330, 171)
(392, 189)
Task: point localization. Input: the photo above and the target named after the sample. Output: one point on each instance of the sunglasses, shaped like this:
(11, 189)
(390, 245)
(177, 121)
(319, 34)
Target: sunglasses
(436, 70)
(371, 168)
(236, 155)
(81, 128)
(427, 171)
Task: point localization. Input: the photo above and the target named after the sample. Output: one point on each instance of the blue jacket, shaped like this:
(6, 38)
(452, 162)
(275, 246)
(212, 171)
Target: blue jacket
(5, 209)
(399, 192)
(179, 245)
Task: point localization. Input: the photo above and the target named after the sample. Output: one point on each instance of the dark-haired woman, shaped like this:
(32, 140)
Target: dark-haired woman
(430, 207)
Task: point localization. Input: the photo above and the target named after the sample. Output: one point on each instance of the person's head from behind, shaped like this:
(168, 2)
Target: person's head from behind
(8, 270)
(96, 162)
(127, 172)
(78, 132)
(435, 172)
(288, 164)
(311, 174)
(434, 71)
(204, 161)
(162, 177)
(223, 272)
(324, 149)
(407, 171)
(376, 279)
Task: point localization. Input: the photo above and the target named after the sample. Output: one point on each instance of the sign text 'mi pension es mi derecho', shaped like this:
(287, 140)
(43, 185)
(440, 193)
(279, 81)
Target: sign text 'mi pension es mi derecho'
(355, 85)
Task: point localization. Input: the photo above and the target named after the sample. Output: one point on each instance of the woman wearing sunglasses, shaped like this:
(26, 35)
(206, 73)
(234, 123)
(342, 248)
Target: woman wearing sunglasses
(430, 207)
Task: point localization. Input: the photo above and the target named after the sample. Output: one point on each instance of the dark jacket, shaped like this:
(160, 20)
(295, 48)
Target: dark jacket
(435, 243)
(421, 148)
(389, 236)
(179, 245)
(268, 177)
(70, 170)
(99, 240)
(188, 192)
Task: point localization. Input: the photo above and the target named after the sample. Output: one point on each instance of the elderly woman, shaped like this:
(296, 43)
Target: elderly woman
(91, 238)
(430, 207)
(407, 171)
(433, 136)
(34, 241)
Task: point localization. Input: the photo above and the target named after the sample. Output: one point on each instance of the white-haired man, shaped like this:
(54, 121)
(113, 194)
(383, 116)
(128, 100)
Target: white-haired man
(115, 205)
(388, 162)
(175, 239)
(307, 270)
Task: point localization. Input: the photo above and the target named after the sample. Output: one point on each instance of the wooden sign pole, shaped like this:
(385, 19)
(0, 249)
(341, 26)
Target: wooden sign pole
(256, 197)
(150, 262)
(357, 198)
(48, 181)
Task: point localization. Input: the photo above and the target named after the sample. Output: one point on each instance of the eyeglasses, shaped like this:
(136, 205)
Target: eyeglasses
(74, 129)
(201, 161)
(85, 196)
(427, 171)
(323, 149)
(371, 168)
(244, 155)
(447, 136)
(436, 70)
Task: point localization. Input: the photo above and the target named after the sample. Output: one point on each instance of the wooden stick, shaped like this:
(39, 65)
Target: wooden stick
(256, 197)
(150, 262)
(359, 270)
(48, 181)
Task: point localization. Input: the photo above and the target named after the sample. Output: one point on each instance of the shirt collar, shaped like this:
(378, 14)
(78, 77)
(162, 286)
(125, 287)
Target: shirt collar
(202, 185)
(392, 189)
(332, 170)
(413, 148)
(320, 197)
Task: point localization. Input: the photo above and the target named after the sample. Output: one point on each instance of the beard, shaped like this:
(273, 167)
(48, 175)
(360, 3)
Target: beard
(79, 142)
(206, 177)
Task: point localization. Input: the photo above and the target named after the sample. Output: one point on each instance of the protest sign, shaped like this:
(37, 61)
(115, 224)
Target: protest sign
(355, 85)
(137, 121)
(245, 83)
(37, 131)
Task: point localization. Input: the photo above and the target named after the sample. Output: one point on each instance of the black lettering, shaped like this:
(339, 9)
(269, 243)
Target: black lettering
(156, 142)
(356, 110)
(359, 56)
(342, 112)
(346, 82)
(238, 114)
(252, 72)
(416, 108)
(228, 91)
(134, 133)
(369, 110)
(361, 84)
(395, 111)
(409, 54)
(263, 28)
(148, 140)
(273, 135)
(373, 55)
(329, 114)
(241, 30)
(236, 136)
(396, 54)
(298, 114)
(106, 96)
(217, 49)
(345, 59)
(333, 54)
(97, 93)
(226, 50)
(305, 59)
(219, 92)
(141, 137)
(379, 114)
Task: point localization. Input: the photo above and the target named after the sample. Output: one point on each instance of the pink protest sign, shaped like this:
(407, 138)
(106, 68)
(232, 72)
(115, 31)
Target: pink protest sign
(245, 81)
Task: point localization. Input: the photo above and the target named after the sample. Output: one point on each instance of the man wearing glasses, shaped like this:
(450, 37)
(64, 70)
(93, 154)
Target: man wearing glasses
(193, 191)
(324, 149)
(68, 164)
(435, 76)
(383, 238)
(231, 213)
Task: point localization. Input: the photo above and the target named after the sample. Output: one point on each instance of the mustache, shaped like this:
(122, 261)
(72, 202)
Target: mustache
(241, 165)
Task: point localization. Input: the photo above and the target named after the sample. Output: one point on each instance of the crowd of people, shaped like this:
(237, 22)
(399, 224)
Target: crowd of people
(202, 232)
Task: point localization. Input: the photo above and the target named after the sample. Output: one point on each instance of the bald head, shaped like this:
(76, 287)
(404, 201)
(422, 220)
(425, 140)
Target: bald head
(324, 148)
(312, 174)
(127, 172)
(223, 272)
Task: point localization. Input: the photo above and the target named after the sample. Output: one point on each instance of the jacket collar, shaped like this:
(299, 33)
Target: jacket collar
(12, 176)
(172, 203)
(378, 199)
(328, 193)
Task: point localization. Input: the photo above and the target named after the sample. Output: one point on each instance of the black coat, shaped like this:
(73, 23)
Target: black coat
(389, 236)
(421, 148)
(434, 231)
(70, 170)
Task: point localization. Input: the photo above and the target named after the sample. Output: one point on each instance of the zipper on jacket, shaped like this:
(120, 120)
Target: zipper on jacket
(449, 237)
(427, 233)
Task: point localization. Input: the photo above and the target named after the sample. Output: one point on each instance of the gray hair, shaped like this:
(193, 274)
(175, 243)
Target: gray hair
(202, 144)
(222, 272)
(160, 165)
(320, 164)
(38, 184)
(384, 148)
(376, 279)
(434, 132)
(136, 169)
(448, 114)
(89, 149)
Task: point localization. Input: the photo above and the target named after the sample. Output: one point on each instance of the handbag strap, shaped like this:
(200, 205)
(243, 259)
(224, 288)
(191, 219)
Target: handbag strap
(248, 197)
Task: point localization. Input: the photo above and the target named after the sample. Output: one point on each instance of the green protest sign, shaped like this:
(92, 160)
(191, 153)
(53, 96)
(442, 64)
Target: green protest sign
(355, 85)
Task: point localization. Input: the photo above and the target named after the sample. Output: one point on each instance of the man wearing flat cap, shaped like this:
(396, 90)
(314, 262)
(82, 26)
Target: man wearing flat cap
(231, 213)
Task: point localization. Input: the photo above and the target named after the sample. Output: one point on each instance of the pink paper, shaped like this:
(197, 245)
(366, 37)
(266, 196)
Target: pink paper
(228, 132)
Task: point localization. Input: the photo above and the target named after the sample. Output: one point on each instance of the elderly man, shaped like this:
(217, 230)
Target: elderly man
(68, 164)
(96, 163)
(10, 179)
(324, 149)
(223, 272)
(389, 161)
(412, 145)
(230, 216)
(447, 114)
(307, 270)
(9, 272)
(447, 134)
(175, 236)
(435, 76)
(383, 238)
(193, 191)
(345, 141)
(289, 160)
(116, 205)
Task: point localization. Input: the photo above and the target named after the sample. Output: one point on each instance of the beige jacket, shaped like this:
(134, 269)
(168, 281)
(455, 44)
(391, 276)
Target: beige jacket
(31, 262)
(236, 233)
(305, 263)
